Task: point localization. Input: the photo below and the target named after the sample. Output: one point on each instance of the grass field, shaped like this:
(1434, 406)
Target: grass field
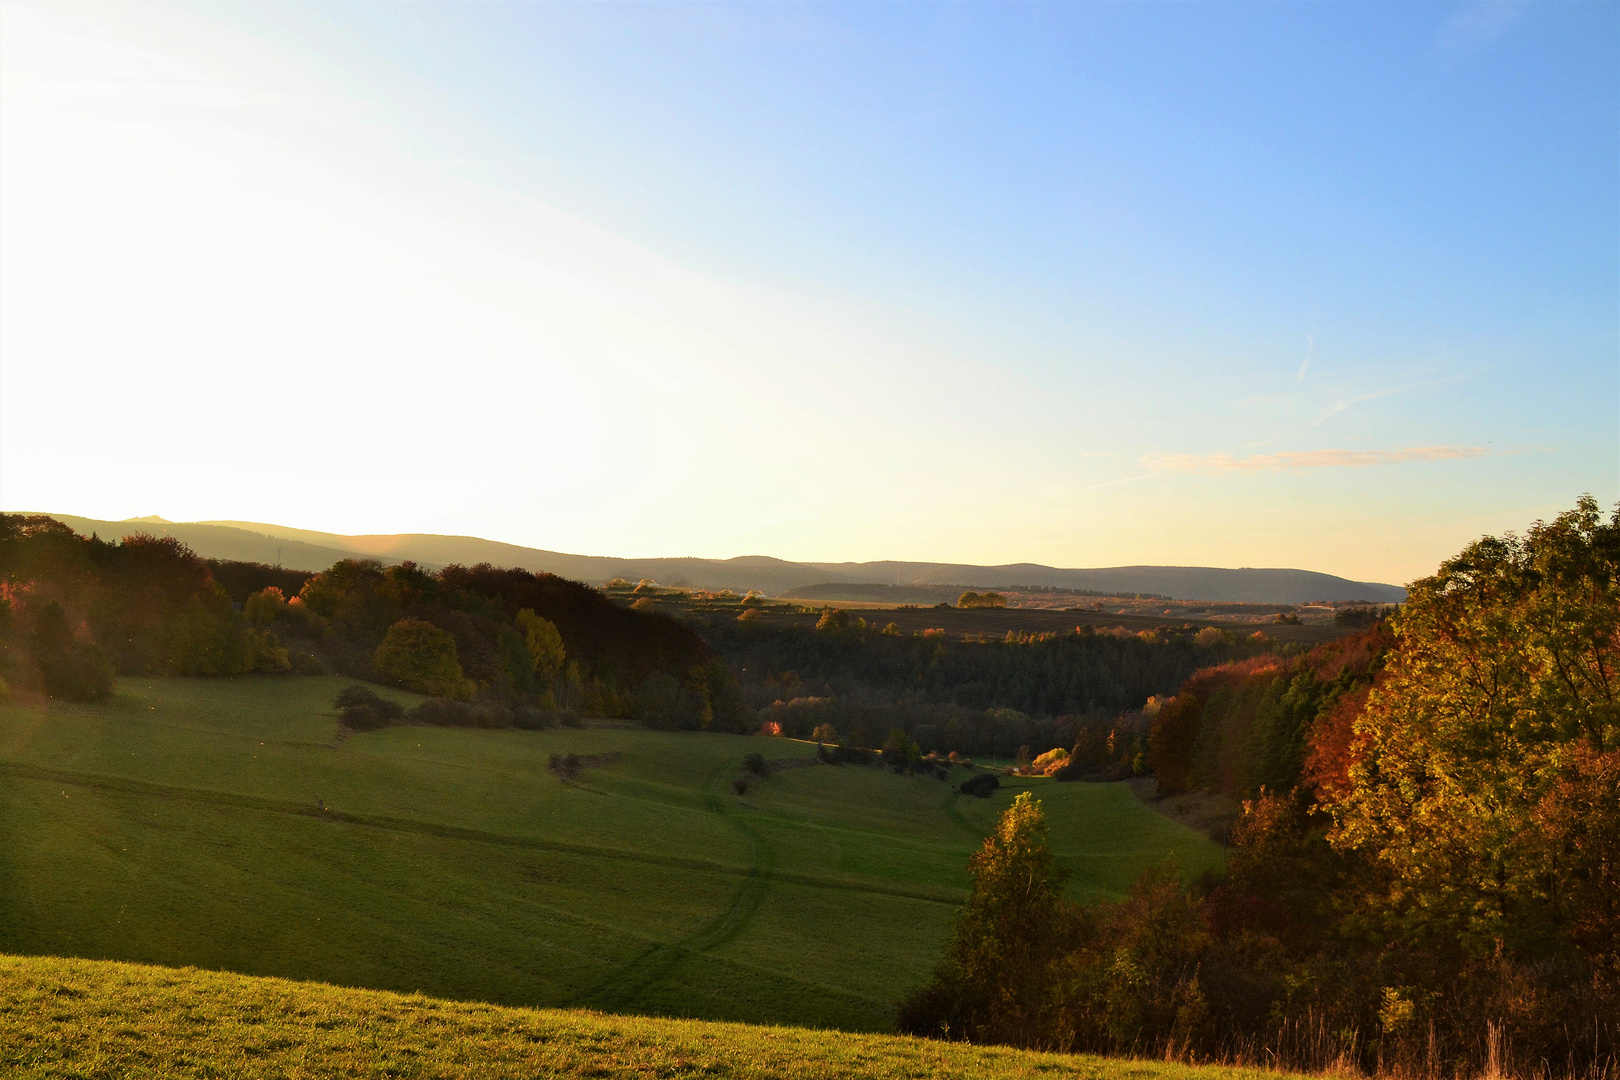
(80, 1018)
(225, 824)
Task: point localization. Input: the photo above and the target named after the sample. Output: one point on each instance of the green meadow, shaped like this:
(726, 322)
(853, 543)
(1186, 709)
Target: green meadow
(231, 825)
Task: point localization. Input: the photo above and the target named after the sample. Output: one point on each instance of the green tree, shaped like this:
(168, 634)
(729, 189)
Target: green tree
(544, 642)
(264, 607)
(419, 656)
(1499, 703)
(833, 621)
(998, 982)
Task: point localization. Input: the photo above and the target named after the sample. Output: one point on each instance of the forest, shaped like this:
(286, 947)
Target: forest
(1425, 878)
(76, 612)
(987, 698)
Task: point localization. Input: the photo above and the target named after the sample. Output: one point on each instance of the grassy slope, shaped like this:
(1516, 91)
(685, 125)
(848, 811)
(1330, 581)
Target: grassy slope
(79, 1018)
(183, 824)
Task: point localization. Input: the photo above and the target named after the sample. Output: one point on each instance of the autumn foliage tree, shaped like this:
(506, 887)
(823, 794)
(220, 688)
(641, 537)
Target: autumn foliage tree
(1497, 716)
(1425, 878)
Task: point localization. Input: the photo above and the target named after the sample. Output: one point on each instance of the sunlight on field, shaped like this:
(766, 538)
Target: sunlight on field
(227, 824)
(94, 1018)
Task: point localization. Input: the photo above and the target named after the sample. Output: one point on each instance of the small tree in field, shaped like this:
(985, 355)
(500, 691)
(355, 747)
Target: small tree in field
(997, 983)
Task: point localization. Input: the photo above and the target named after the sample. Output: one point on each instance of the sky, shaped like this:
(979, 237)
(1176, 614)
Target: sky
(1324, 285)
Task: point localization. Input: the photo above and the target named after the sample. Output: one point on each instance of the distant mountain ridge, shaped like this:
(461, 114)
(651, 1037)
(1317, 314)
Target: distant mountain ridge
(305, 549)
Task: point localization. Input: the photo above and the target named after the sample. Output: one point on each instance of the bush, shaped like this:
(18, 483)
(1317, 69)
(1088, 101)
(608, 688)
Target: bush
(565, 765)
(755, 763)
(740, 785)
(531, 718)
(980, 785)
(362, 709)
(355, 695)
(846, 755)
(447, 712)
(70, 670)
(78, 674)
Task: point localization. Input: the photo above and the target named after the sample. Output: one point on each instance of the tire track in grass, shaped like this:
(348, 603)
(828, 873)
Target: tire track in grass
(115, 785)
(956, 814)
(625, 986)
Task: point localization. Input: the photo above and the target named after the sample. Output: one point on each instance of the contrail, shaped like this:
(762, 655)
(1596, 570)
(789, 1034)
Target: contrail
(1310, 347)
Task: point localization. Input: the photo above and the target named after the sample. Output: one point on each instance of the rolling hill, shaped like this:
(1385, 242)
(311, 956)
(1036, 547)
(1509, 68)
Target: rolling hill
(231, 824)
(308, 550)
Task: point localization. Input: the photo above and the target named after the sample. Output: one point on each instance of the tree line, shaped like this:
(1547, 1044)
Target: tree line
(1425, 879)
(76, 611)
(981, 698)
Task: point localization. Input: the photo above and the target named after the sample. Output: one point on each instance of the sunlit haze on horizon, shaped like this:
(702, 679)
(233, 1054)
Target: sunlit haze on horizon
(1329, 286)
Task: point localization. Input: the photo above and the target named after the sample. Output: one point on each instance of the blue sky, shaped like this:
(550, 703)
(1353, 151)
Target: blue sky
(1326, 285)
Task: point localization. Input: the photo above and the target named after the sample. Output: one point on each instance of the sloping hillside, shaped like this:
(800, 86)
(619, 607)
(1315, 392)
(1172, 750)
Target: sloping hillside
(305, 549)
(98, 1018)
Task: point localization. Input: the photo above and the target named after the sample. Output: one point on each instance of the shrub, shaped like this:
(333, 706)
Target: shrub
(846, 755)
(531, 718)
(740, 785)
(755, 763)
(78, 674)
(447, 712)
(362, 709)
(70, 670)
(1049, 762)
(980, 785)
(355, 695)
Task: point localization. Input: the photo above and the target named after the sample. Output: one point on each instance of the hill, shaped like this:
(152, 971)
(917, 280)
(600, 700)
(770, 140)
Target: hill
(308, 550)
(231, 824)
(89, 1018)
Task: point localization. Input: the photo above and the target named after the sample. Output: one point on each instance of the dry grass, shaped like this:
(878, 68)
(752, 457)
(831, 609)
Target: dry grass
(87, 1018)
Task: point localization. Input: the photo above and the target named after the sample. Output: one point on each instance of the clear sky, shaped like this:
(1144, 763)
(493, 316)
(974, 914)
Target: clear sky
(1326, 285)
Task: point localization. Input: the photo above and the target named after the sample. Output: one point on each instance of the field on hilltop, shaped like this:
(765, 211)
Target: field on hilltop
(95, 1018)
(231, 824)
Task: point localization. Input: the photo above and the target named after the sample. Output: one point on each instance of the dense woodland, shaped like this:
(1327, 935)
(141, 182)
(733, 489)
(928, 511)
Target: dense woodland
(1425, 879)
(77, 611)
(983, 698)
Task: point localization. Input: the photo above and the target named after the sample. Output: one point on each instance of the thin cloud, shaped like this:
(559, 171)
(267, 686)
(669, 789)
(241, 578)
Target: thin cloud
(1299, 460)
(1475, 25)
